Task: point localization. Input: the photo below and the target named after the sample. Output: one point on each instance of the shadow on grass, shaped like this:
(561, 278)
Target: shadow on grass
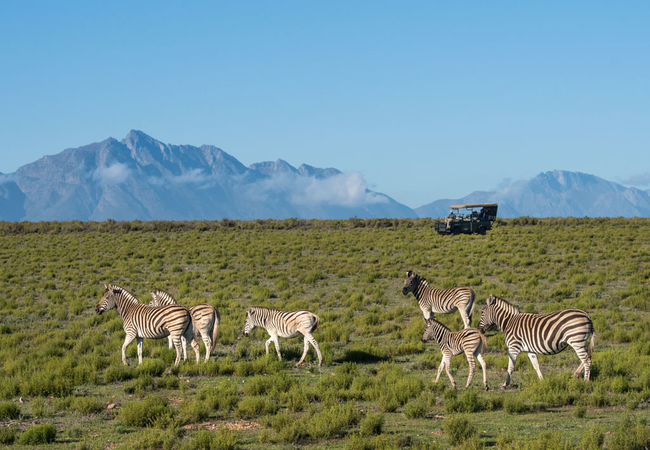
(361, 357)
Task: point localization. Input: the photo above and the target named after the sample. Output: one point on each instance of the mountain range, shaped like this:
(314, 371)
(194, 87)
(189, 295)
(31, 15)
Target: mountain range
(142, 178)
(557, 193)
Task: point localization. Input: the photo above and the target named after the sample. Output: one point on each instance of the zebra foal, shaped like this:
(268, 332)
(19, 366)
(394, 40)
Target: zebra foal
(205, 320)
(544, 334)
(441, 301)
(144, 321)
(468, 340)
(286, 324)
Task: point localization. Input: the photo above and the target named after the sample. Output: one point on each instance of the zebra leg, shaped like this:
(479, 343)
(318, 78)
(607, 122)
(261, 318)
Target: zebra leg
(127, 341)
(208, 346)
(267, 344)
(140, 341)
(179, 351)
(195, 346)
(533, 359)
(315, 345)
(466, 319)
(188, 335)
(447, 364)
(472, 366)
(442, 364)
(184, 344)
(171, 342)
(582, 354)
(276, 343)
(482, 362)
(304, 352)
(512, 357)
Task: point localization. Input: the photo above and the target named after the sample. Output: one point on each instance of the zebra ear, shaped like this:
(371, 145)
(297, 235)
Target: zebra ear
(489, 300)
(409, 273)
(106, 287)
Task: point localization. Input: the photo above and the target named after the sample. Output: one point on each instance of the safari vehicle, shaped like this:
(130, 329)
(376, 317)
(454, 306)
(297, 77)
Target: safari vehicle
(468, 219)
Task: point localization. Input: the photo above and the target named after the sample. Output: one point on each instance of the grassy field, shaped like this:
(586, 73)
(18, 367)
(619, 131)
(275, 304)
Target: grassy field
(62, 379)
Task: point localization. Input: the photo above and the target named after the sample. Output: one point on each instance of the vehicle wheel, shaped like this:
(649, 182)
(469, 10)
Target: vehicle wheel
(482, 230)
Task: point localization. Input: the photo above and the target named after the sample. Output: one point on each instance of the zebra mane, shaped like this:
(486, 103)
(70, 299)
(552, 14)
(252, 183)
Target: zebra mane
(125, 294)
(164, 297)
(435, 321)
(422, 280)
(503, 304)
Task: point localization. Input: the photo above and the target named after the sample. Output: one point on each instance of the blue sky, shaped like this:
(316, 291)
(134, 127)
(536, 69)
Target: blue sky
(424, 99)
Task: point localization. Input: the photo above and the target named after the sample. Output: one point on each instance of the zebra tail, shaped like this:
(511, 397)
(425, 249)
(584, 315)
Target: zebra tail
(471, 311)
(590, 350)
(314, 324)
(215, 328)
(483, 341)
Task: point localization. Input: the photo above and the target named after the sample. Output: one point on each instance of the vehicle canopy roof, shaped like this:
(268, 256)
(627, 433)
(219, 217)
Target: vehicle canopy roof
(475, 205)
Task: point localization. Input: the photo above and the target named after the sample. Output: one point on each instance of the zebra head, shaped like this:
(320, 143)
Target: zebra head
(155, 299)
(249, 326)
(489, 314)
(428, 331)
(109, 299)
(411, 282)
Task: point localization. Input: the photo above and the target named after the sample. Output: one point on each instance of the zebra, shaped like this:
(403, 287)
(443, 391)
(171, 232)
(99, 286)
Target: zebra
(468, 340)
(144, 321)
(286, 324)
(544, 334)
(441, 301)
(205, 320)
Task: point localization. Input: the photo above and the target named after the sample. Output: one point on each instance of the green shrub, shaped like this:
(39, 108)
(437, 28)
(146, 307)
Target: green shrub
(9, 411)
(118, 372)
(38, 407)
(466, 402)
(7, 435)
(372, 424)
(296, 399)
(145, 413)
(151, 367)
(168, 382)
(255, 406)
(417, 408)
(38, 435)
(87, 405)
(580, 411)
(151, 439)
(222, 439)
(630, 434)
(194, 412)
(287, 428)
(332, 421)
(514, 404)
(593, 438)
(458, 429)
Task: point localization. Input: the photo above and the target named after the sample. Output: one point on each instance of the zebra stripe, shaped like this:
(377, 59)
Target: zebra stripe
(468, 340)
(440, 301)
(205, 320)
(144, 321)
(544, 334)
(286, 324)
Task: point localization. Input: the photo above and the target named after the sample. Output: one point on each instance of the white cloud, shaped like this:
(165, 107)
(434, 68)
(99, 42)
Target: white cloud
(194, 176)
(349, 190)
(642, 180)
(114, 174)
(6, 178)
